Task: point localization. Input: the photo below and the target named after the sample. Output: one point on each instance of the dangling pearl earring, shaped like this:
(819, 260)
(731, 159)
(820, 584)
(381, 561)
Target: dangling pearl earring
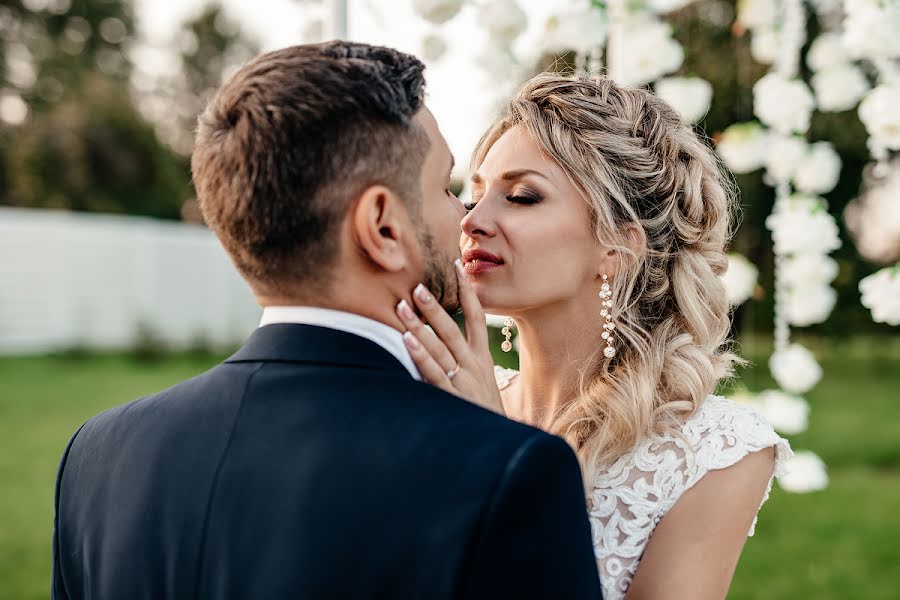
(506, 346)
(606, 294)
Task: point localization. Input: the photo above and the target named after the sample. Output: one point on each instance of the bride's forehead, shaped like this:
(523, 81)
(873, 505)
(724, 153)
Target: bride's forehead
(516, 150)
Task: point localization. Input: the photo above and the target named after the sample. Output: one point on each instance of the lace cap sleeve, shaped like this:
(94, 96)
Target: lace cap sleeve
(632, 496)
(721, 434)
(503, 376)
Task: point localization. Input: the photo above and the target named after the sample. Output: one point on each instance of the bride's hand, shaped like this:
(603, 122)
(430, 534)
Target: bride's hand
(461, 365)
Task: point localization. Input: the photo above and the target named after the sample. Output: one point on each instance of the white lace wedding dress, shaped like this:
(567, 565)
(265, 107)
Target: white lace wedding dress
(631, 497)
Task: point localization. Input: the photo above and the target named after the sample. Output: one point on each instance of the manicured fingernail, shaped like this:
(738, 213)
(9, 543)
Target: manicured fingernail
(405, 311)
(460, 269)
(422, 294)
(411, 342)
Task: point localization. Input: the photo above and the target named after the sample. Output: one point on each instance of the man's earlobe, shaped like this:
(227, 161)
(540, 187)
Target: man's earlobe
(379, 224)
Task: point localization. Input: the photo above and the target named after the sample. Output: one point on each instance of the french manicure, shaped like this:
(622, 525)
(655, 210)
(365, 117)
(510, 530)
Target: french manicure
(405, 310)
(422, 294)
(460, 269)
(411, 342)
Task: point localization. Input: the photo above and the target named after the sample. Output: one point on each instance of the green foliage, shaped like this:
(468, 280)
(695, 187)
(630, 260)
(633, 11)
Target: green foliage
(92, 151)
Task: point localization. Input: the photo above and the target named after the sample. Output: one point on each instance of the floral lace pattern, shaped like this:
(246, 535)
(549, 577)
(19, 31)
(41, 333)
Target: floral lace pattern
(631, 497)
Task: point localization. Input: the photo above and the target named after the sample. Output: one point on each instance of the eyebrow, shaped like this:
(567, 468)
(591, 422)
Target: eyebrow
(512, 175)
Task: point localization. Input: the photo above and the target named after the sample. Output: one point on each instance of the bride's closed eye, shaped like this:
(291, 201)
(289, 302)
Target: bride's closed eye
(516, 197)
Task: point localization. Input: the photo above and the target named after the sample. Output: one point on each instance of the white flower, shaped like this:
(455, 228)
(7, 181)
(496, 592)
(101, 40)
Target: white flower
(870, 29)
(783, 155)
(578, 30)
(801, 223)
(757, 13)
(743, 147)
(437, 11)
(764, 45)
(785, 105)
(648, 51)
(787, 413)
(13, 110)
(808, 269)
(739, 279)
(880, 113)
(503, 19)
(839, 88)
(803, 472)
(819, 170)
(808, 305)
(795, 369)
(827, 51)
(433, 47)
(881, 294)
(690, 96)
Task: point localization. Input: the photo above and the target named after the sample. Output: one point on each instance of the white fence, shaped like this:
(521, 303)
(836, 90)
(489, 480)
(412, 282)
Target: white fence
(70, 280)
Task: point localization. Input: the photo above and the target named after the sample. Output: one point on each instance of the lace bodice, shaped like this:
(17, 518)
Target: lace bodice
(630, 498)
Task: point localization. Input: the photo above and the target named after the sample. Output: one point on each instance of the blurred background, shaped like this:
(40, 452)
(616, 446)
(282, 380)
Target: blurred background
(111, 287)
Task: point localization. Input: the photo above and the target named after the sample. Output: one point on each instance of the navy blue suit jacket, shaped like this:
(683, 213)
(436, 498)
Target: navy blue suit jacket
(311, 465)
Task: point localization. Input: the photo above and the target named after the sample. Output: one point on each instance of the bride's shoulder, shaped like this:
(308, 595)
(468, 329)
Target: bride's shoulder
(504, 376)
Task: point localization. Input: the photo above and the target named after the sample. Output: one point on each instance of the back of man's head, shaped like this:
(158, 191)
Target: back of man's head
(291, 139)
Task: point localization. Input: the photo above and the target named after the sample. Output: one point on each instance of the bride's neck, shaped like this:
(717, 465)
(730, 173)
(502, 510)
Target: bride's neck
(554, 346)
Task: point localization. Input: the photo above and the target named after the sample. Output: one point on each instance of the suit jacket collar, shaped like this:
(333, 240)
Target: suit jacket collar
(295, 343)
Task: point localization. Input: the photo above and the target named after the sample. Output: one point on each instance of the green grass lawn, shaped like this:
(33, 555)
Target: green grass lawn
(840, 543)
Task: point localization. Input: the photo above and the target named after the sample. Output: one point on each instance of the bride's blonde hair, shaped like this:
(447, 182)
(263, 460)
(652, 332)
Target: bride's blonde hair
(640, 170)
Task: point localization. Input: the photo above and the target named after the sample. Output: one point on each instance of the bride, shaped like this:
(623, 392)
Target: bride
(598, 222)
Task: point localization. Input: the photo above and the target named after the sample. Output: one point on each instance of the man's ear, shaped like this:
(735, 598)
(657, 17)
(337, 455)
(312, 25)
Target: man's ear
(380, 225)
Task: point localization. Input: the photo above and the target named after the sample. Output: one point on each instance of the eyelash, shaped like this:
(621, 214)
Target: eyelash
(526, 200)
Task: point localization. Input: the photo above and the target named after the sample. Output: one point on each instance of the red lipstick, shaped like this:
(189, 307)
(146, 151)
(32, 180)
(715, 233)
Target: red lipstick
(479, 261)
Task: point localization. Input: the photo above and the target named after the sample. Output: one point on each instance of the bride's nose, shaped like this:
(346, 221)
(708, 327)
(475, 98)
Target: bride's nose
(479, 222)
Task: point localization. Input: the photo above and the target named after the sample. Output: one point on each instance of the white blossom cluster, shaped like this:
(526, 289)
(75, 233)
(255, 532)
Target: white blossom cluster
(690, 96)
(795, 369)
(880, 113)
(810, 168)
(870, 29)
(739, 279)
(579, 28)
(803, 473)
(881, 294)
(647, 50)
(838, 82)
(804, 232)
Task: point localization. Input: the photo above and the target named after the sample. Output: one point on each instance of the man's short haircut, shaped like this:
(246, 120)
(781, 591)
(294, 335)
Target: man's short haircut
(291, 139)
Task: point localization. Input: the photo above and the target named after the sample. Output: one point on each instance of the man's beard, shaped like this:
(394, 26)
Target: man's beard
(440, 276)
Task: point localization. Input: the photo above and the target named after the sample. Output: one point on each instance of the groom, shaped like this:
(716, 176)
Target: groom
(313, 463)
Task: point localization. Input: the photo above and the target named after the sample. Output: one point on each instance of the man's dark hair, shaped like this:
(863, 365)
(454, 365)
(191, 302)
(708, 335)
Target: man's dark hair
(291, 138)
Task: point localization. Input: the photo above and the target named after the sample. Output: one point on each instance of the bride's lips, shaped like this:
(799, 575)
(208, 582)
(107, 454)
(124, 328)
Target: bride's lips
(480, 261)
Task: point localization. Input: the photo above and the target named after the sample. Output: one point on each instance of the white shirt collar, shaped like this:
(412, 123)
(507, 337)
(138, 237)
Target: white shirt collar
(384, 335)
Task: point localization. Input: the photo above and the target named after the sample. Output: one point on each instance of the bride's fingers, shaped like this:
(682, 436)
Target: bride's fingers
(473, 313)
(442, 323)
(431, 343)
(430, 370)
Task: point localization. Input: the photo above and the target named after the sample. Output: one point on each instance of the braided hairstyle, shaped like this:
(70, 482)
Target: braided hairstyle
(640, 170)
